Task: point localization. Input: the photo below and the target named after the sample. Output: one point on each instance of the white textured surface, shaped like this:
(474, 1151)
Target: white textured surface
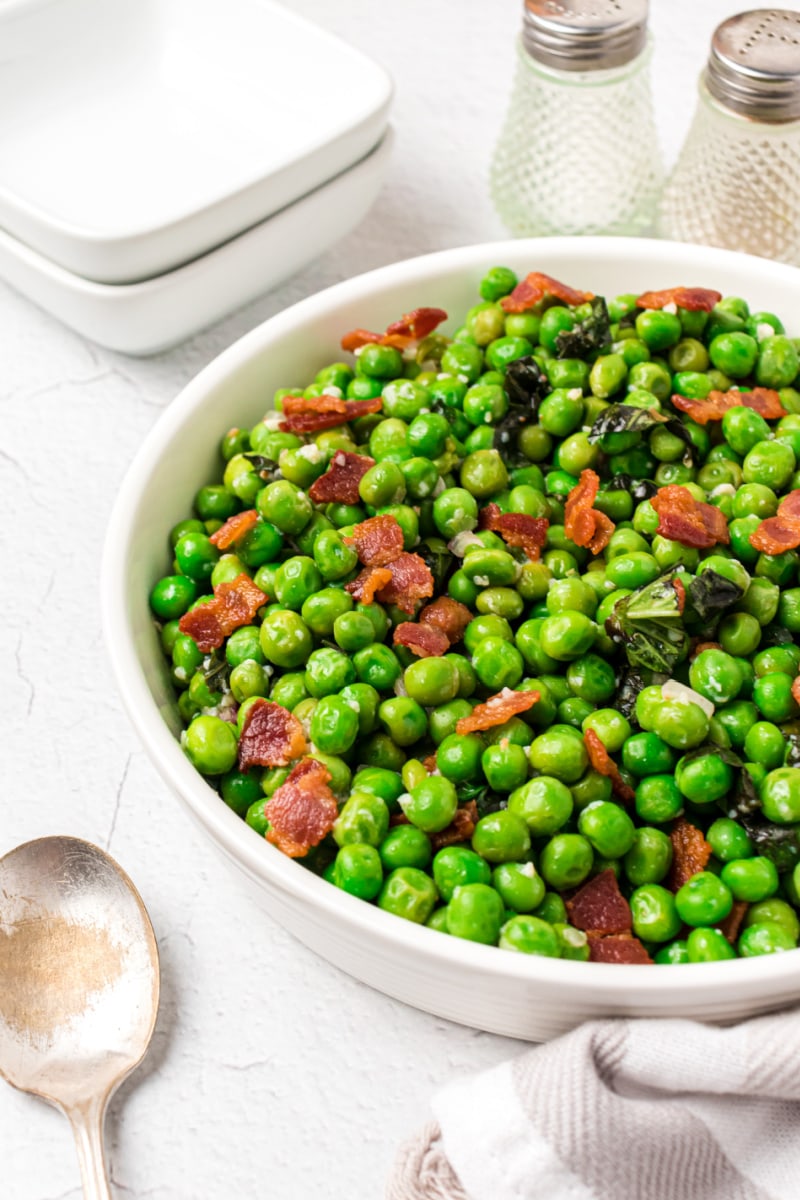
(271, 1073)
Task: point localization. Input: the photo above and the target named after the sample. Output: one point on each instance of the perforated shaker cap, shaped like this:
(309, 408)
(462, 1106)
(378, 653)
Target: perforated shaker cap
(754, 64)
(584, 35)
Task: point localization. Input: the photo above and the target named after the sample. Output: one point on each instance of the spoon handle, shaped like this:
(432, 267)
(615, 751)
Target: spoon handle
(87, 1126)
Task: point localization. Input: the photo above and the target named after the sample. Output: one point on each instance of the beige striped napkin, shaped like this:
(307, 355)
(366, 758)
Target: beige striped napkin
(621, 1110)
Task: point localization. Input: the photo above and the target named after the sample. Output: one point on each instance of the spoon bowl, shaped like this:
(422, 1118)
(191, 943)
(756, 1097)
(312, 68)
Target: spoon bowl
(79, 984)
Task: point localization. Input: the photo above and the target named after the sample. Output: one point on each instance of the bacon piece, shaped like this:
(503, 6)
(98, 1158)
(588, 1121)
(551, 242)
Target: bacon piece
(699, 646)
(426, 641)
(449, 615)
(599, 907)
(460, 829)
(271, 736)
(618, 949)
(733, 922)
(583, 524)
(410, 580)
(340, 482)
(367, 583)
(357, 338)
(516, 529)
(302, 810)
(774, 537)
(796, 690)
(680, 592)
(691, 298)
(602, 762)
(378, 540)
(765, 401)
(234, 528)
(430, 764)
(690, 851)
(497, 710)
(603, 529)
(412, 327)
(535, 286)
(689, 521)
(311, 420)
(326, 403)
(781, 532)
(234, 604)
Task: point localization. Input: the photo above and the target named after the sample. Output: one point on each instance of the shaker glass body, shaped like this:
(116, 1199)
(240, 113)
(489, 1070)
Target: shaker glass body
(736, 184)
(578, 153)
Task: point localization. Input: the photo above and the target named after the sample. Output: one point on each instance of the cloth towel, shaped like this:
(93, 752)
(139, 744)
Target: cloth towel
(621, 1110)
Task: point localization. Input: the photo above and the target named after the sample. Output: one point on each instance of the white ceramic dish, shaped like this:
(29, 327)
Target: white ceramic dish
(482, 986)
(142, 318)
(135, 136)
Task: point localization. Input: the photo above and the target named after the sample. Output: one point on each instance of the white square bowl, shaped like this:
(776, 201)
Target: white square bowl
(135, 136)
(143, 318)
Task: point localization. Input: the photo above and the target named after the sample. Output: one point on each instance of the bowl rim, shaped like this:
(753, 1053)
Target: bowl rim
(263, 861)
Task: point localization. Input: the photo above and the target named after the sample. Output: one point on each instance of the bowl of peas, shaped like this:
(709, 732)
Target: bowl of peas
(460, 606)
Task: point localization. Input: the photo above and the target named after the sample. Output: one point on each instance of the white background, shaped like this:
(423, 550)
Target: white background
(271, 1073)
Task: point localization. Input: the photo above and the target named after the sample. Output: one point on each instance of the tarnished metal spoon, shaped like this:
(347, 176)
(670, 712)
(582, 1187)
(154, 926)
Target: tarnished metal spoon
(79, 984)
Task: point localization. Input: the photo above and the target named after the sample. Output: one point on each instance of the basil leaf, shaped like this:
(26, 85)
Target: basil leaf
(778, 843)
(711, 594)
(434, 553)
(526, 385)
(485, 799)
(592, 334)
(266, 468)
(649, 626)
(629, 687)
(625, 418)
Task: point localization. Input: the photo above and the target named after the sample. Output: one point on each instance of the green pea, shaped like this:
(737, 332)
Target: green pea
(566, 860)
(544, 803)
(405, 846)
(527, 934)
(767, 937)
(658, 798)
(778, 362)
(703, 900)
(649, 858)
(363, 818)
(457, 866)
(654, 913)
(703, 779)
(519, 886)
(458, 757)
(378, 666)
(476, 913)
(608, 828)
(780, 795)
(210, 745)
(358, 870)
(431, 805)
(708, 945)
(409, 893)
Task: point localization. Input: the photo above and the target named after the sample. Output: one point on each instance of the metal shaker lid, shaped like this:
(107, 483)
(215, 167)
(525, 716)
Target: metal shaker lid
(754, 64)
(584, 35)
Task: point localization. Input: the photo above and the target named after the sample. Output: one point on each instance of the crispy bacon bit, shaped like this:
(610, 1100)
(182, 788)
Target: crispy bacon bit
(497, 710)
(689, 521)
(764, 401)
(796, 690)
(781, 532)
(602, 762)
(378, 540)
(699, 646)
(326, 403)
(327, 416)
(583, 524)
(690, 851)
(302, 810)
(367, 583)
(339, 484)
(733, 922)
(535, 286)
(460, 829)
(426, 641)
(618, 949)
(234, 604)
(680, 592)
(357, 338)
(599, 907)
(271, 736)
(691, 298)
(412, 327)
(234, 528)
(410, 580)
(449, 615)
(774, 536)
(516, 529)
(430, 764)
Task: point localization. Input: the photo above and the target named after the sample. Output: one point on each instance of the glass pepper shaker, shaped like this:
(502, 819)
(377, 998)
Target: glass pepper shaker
(578, 152)
(737, 180)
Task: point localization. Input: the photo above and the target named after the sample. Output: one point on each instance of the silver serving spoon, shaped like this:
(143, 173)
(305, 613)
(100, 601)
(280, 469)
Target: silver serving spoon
(79, 984)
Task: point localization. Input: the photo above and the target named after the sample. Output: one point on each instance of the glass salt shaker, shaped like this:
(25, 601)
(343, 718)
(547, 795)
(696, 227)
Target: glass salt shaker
(578, 153)
(737, 180)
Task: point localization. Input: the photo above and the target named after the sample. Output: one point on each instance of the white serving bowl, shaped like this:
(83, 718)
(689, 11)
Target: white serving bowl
(502, 992)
